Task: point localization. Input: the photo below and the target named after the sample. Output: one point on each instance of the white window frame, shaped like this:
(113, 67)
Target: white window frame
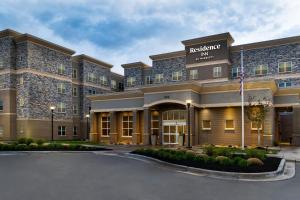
(237, 72)
(285, 83)
(21, 102)
(103, 80)
(152, 123)
(1, 105)
(75, 91)
(176, 76)
(260, 69)
(75, 109)
(253, 128)
(61, 107)
(91, 78)
(285, 67)
(194, 74)
(113, 84)
(159, 78)
(61, 70)
(21, 80)
(75, 131)
(107, 128)
(61, 131)
(217, 72)
(1, 131)
(229, 129)
(128, 121)
(147, 80)
(74, 74)
(204, 128)
(61, 88)
(131, 81)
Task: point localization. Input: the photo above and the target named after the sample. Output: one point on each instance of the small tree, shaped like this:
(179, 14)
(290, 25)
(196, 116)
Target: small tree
(256, 112)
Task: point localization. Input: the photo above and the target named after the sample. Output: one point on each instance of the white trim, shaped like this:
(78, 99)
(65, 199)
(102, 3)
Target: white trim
(254, 89)
(117, 109)
(165, 101)
(218, 62)
(206, 129)
(119, 99)
(286, 105)
(255, 129)
(278, 63)
(3, 113)
(229, 129)
(173, 91)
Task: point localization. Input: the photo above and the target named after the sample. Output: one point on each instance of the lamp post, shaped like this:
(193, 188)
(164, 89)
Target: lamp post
(52, 108)
(188, 103)
(87, 126)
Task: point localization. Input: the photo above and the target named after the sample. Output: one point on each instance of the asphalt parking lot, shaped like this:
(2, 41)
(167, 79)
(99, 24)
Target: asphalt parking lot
(83, 176)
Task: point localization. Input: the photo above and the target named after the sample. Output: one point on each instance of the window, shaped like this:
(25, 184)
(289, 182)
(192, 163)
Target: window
(1, 105)
(61, 130)
(254, 126)
(217, 72)
(75, 130)
(1, 131)
(113, 84)
(194, 74)
(75, 109)
(74, 74)
(229, 124)
(176, 76)
(61, 107)
(103, 80)
(285, 84)
(74, 91)
(147, 80)
(130, 81)
(21, 102)
(235, 72)
(61, 69)
(92, 78)
(2, 80)
(61, 88)
(155, 123)
(105, 125)
(206, 125)
(284, 67)
(92, 91)
(127, 122)
(21, 80)
(261, 70)
(159, 78)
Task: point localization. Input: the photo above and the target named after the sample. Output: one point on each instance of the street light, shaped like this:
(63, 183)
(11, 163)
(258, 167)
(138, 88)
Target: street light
(188, 103)
(52, 108)
(87, 125)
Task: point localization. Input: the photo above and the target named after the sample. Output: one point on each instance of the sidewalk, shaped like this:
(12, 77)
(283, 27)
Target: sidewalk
(289, 153)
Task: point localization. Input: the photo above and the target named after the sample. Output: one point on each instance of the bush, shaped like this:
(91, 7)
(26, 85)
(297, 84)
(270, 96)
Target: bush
(209, 150)
(242, 163)
(40, 142)
(254, 162)
(256, 153)
(21, 147)
(21, 141)
(33, 145)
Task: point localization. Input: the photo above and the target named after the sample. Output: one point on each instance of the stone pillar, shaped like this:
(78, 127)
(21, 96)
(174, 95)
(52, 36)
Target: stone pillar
(192, 127)
(296, 125)
(147, 126)
(267, 137)
(113, 128)
(93, 132)
(136, 135)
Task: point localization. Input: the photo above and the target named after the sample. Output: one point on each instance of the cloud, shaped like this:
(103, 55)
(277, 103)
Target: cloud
(122, 31)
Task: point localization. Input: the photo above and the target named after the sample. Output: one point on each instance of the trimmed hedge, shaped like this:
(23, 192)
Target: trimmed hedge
(220, 163)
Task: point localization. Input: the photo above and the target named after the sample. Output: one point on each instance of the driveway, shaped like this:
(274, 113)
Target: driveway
(83, 176)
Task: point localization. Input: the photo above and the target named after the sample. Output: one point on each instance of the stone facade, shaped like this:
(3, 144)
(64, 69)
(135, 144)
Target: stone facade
(37, 69)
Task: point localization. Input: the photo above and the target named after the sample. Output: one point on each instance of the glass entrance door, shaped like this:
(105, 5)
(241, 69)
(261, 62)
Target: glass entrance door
(173, 124)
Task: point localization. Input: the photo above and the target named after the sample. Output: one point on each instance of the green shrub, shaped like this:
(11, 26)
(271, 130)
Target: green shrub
(254, 162)
(209, 150)
(21, 147)
(256, 153)
(21, 141)
(242, 163)
(223, 160)
(33, 145)
(29, 141)
(40, 142)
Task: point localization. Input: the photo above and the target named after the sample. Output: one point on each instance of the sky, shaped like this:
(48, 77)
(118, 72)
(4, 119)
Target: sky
(125, 31)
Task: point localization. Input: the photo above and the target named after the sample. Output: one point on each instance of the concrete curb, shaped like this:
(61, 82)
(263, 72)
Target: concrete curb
(263, 176)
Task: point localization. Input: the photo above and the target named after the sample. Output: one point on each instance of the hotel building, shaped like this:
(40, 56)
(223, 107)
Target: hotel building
(206, 72)
(36, 74)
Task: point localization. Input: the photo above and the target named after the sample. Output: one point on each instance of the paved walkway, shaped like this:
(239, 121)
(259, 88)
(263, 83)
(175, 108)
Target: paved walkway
(290, 153)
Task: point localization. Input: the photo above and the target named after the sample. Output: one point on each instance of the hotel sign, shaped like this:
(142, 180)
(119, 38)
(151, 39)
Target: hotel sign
(205, 52)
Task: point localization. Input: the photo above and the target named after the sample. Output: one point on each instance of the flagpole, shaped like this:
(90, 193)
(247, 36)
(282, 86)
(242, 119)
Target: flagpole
(242, 97)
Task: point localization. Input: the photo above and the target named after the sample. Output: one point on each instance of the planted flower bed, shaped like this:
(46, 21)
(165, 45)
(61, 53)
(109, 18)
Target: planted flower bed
(27, 144)
(226, 159)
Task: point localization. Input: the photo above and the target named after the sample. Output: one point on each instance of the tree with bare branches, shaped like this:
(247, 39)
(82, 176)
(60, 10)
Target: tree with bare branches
(256, 112)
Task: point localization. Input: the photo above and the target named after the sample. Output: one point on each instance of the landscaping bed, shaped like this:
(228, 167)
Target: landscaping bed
(220, 159)
(27, 144)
